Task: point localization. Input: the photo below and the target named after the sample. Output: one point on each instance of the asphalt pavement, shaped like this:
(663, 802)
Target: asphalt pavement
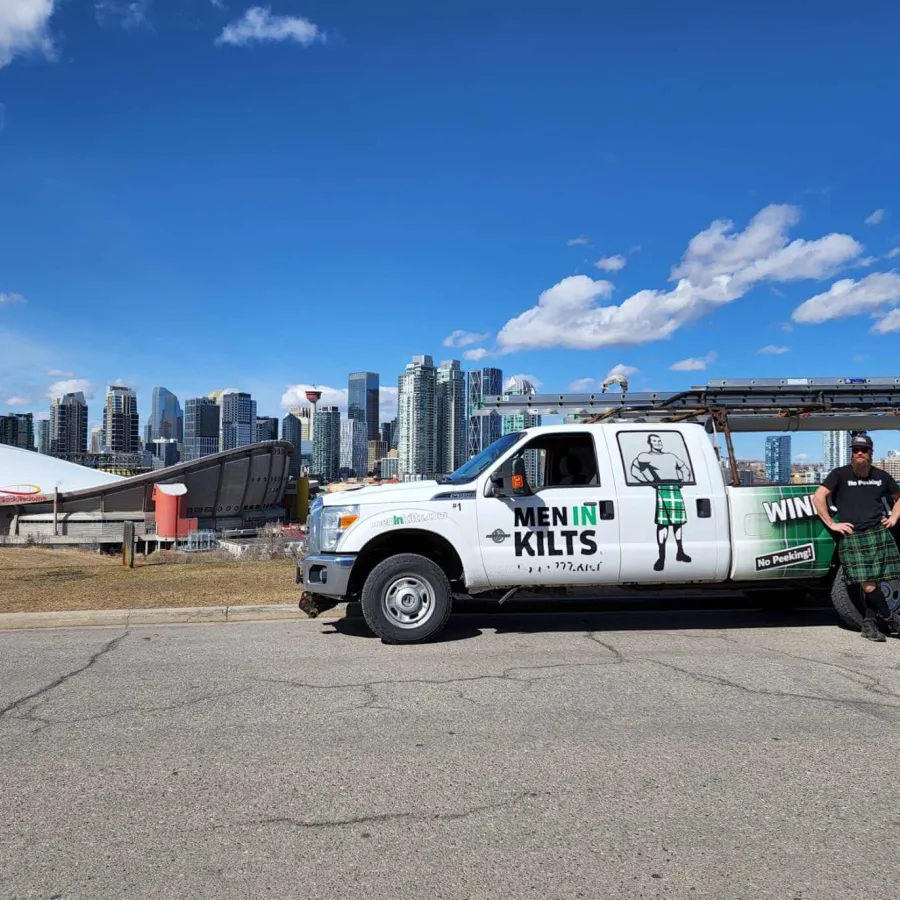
(652, 754)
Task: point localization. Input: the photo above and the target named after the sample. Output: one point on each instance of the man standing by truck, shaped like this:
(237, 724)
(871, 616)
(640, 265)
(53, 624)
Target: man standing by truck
(867, 549)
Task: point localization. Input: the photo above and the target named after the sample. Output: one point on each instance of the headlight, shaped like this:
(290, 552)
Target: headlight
(335, 521)
(313, 525)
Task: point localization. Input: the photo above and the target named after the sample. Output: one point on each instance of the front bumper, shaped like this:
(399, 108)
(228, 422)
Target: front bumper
(327, 574)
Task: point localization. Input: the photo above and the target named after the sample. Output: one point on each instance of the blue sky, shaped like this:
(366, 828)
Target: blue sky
(209, 195)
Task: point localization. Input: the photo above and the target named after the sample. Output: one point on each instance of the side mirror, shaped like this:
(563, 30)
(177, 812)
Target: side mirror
(510, 480)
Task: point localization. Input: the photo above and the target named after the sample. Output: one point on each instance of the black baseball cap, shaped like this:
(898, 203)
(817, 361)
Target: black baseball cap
(861, 441)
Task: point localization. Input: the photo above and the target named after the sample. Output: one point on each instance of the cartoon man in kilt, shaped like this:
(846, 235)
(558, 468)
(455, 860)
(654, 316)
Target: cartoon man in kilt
(666, 472)
(867, 548)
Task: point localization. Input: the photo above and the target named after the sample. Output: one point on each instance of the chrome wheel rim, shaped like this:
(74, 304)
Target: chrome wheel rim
(408, 601)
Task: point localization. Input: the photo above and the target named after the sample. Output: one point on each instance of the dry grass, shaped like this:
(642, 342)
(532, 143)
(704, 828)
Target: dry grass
(38, 580)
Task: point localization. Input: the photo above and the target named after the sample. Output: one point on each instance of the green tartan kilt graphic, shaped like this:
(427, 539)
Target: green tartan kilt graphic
(869, 555)
(670, 505)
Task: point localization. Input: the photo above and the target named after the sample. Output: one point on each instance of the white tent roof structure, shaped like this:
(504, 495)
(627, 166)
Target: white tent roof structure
(26, 475)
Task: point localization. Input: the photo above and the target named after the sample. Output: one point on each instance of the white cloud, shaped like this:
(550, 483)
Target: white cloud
(772, 350)
(718, 267)
(892, 253)
(612, 263)
(524, 376)
(876, 218)
(295, 395)
(11, 298)
(888, 324)
(620, 369)
(578, 242)
(475, 354)
(259, 25)
(17, 401)
(801, 456)
(127, 14)
(23, 28)
(460, 338)
(72, 386)
(850, 298)
(59, 373)
(694, 363)
(583, 385)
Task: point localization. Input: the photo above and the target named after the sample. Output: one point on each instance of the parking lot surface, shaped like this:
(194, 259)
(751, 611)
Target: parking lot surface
(719, 754)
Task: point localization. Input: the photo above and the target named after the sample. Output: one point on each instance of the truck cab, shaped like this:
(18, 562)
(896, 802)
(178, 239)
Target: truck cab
(545, 507)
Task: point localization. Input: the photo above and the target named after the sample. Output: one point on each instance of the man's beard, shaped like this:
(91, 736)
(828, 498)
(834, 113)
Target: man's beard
(861, 468)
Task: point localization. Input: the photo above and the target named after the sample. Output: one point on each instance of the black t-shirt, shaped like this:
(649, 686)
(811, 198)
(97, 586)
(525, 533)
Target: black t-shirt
(859, 500)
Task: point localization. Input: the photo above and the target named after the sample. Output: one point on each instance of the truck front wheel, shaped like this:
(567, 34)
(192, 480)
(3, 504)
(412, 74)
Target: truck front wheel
(406, 599)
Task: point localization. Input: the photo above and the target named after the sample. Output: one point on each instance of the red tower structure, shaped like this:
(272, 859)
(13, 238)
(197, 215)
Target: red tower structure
(314, 397)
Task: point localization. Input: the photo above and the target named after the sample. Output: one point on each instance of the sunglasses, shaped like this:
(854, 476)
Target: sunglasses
(864, 450)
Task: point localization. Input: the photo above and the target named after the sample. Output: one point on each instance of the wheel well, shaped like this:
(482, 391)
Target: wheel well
(407, 540)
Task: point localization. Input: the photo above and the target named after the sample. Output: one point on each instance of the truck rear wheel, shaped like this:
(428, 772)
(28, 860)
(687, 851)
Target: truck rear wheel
(406, 599)
(848, 604)
(846, 601)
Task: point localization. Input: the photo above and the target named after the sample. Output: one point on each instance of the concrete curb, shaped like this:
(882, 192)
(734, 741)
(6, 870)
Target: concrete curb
(187, 615)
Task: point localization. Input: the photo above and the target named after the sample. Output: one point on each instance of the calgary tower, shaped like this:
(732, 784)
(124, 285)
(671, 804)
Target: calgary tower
(314, 397)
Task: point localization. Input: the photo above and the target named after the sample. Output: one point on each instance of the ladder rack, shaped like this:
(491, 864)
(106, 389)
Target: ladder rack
(759, 404)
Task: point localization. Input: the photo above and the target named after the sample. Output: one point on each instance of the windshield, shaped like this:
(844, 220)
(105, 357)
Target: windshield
(477, 464)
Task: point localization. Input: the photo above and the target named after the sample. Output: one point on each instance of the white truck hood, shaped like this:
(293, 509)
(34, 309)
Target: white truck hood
(405, 492)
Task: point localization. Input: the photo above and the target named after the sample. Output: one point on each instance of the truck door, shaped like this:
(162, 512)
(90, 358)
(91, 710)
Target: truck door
(567, 532)
(674, 513)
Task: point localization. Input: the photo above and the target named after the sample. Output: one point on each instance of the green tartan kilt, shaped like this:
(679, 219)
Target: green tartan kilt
(869, 555)
(670, 505)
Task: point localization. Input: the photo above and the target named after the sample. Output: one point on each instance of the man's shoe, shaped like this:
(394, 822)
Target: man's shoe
(681, 556)
(891, 625)
(870, 631)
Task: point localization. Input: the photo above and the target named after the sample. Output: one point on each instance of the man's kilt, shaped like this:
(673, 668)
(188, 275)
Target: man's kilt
(670, 505)
(869, 556)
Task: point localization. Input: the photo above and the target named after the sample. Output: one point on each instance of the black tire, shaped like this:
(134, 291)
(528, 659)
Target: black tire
(385, 576)
(846, 602)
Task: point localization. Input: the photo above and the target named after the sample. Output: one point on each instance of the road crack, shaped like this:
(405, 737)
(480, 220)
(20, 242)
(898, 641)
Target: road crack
(103, 651)
(378, 818)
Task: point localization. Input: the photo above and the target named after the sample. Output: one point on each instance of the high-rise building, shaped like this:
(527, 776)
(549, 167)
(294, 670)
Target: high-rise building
(778, 459)
(835, 449)
(201, 428)
(362, 401)
(68, 424)
(97, 439)
(166, 417)
(266, 428)
(389, 467)
(295, 428)
(418, 422)
(121, 427)
(43, 436)
(450, 409)
(238, 423)
(327, 443)
(521, 387)
(164, 453)
(376, 449)
(17, 430)
(483, 430)
(354, 448)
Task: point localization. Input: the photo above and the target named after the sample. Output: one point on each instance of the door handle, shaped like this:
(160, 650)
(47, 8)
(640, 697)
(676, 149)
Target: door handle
(704, 508)
(607, 510)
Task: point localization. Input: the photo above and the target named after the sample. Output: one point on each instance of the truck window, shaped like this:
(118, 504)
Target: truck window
(561, 460)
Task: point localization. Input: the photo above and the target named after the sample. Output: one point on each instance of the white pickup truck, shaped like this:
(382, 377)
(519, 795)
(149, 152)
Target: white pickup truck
(566, 505)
